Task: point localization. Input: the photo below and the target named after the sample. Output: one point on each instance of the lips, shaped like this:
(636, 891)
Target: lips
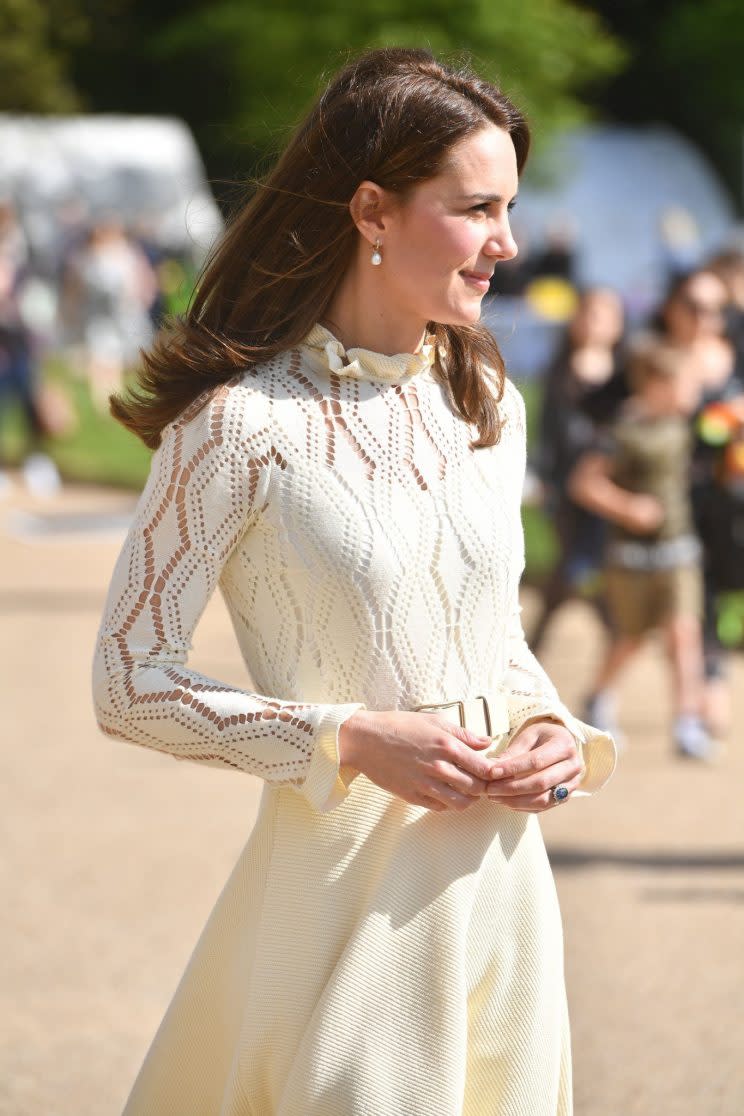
(479, 279)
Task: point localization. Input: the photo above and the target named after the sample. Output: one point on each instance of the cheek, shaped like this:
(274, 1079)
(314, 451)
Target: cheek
(438, 247)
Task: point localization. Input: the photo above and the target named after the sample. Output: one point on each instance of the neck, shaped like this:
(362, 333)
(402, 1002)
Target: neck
(361, 314)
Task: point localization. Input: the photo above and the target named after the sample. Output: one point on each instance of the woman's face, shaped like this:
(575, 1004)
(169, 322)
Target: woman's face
(599, 319)
(442, 242)
(697, 309)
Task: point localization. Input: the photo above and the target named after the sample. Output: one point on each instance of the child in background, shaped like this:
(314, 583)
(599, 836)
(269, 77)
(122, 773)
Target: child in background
(585, 385)
(637, 477)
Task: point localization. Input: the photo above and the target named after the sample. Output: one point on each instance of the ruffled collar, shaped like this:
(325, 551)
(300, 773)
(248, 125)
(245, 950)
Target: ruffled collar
(326, 351)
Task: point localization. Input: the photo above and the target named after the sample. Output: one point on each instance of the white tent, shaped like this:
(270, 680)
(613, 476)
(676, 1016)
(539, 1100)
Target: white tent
(147, 169)
(620, 190)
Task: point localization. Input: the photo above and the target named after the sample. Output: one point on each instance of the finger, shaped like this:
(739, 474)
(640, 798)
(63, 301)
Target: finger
(523, 741)
(449, 774)
(474, 765)
(539, 782)
(554, 750)
(427, 802)
(534, 803)
(472, 739)
(452, 799)
(433, 804)
(535, 732)
(526, 804)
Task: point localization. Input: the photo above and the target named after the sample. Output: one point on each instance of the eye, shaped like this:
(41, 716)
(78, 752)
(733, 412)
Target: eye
(483, 207)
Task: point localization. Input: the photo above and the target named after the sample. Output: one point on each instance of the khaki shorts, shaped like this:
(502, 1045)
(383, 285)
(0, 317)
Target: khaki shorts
(639, 600)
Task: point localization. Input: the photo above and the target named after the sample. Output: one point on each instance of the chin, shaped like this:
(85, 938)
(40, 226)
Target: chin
(468, 315)
(465, 315)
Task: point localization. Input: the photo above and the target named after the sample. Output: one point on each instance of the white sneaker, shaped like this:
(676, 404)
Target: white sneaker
(41, 475)
(692, 740)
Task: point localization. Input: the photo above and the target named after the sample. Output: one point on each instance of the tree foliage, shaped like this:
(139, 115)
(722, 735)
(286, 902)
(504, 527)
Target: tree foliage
(276, 55)
(684, 68)
(242, 71)
(36, 37)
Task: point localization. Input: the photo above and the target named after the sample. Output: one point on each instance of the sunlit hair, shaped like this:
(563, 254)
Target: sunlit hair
(391, 116)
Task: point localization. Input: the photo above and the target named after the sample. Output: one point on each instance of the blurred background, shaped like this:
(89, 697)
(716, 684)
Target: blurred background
(128, 133)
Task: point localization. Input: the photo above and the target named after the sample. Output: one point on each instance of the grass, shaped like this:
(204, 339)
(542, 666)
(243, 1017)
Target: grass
(541, 543)
(98, 450)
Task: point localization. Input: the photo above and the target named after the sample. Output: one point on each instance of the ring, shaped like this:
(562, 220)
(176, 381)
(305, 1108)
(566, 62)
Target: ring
(560, 793)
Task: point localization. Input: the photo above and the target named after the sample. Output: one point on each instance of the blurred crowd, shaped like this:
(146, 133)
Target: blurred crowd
(640, 449)
(94, 301)
(640, 458)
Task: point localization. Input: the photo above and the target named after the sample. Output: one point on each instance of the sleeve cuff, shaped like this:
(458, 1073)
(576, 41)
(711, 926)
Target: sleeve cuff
(328, 781)
(599, 753)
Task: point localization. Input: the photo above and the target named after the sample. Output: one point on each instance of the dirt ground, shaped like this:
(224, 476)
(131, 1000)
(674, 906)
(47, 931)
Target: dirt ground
(114, 856)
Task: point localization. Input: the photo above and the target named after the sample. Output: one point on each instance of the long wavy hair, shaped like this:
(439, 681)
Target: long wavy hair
(390, 116)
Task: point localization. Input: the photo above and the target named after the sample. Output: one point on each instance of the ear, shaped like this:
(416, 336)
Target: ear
(370, 209)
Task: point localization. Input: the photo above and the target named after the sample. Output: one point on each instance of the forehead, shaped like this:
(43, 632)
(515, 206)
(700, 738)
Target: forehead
(705, 285)
(604, 300)
(485, 162)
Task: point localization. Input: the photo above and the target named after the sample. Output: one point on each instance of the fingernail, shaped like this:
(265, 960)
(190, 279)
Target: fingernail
(497, 772)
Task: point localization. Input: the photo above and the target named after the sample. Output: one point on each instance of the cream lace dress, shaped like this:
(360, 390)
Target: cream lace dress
(366, 956)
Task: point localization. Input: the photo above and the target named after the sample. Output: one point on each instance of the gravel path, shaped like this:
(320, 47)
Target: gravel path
(115, 855)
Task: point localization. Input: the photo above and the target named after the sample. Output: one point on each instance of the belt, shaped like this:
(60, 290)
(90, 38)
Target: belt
(662, 555)
(486, 714)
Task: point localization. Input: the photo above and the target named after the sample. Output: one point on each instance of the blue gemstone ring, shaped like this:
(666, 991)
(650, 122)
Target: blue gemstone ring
(560, 793)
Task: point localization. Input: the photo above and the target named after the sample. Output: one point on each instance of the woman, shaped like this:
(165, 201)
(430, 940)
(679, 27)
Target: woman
(693, 319)
(584, 387)
(339, 450)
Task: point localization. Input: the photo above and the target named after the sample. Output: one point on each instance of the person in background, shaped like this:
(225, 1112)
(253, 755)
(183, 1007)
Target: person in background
(693, 318)
(584, 387)
(19, 381)
(107, 291)
(637, 478)
(729, 267)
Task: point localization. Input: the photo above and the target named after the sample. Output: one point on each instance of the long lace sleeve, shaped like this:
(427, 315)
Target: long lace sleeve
(530, 693)
(208, 484)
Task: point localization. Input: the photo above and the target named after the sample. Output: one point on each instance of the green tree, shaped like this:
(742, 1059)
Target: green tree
(36, 37)
(542, 51)
(242, 72)
(684, 68)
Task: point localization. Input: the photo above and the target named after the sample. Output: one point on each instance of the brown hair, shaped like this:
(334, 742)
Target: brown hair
(390, 116)
(652, 358)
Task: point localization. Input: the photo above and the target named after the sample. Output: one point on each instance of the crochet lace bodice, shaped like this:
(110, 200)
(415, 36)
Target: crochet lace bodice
(367, 556)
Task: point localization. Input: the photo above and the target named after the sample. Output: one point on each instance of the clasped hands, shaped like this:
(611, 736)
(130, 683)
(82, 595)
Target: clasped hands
(426, 760)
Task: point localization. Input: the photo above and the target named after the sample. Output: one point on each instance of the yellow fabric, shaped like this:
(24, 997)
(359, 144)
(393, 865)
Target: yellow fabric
(366, 957)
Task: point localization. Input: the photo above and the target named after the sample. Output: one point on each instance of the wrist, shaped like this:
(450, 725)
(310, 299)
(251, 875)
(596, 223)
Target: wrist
(349, 735)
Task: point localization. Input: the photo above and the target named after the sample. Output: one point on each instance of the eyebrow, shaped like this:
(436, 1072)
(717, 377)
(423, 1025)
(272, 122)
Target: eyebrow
(485, 197)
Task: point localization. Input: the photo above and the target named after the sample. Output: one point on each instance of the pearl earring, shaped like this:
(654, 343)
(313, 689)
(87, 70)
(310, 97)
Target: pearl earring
(376, 257)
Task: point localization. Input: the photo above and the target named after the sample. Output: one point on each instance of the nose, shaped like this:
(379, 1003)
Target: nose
(501, 245)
